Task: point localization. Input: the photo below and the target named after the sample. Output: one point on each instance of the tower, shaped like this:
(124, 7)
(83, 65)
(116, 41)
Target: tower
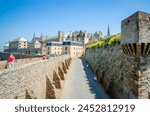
(60, 36)
(108, 32)
(135, 41)
(70, 33)
(34, 35)
(33, 39)
(42, 37)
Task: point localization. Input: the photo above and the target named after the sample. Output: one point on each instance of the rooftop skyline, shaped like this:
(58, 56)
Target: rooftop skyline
(26, 17)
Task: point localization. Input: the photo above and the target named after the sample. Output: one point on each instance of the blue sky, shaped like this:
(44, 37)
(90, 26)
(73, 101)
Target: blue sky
(24, 17)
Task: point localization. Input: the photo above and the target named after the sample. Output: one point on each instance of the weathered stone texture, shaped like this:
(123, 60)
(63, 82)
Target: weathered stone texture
(129, 29)
(144, 80)
(31, 80)
(64, 67)
(66, 64)
(136, 28)
(131, 69)
(144, 27)
(108, 65)
(60, 73)
(56, 80)
(126, 73)
(50, 92)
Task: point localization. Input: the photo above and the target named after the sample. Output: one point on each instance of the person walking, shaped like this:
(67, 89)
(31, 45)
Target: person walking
(10, 61)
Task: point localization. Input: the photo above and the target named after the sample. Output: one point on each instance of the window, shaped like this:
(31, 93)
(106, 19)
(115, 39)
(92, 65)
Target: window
(149, 18)
(48, 48)
(65, 48)
(127, 22)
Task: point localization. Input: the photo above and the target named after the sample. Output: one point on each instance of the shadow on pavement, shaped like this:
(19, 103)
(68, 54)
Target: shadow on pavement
(95, 87)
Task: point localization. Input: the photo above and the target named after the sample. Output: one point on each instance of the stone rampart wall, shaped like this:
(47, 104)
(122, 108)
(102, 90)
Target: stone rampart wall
(37, 80)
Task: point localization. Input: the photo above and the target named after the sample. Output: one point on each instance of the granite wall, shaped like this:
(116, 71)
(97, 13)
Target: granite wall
(111, 68)
(136, 28)
(144, 80)
(36, 80)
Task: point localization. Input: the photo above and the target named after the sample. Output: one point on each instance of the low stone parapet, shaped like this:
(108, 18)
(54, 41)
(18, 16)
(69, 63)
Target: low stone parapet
(36, 80)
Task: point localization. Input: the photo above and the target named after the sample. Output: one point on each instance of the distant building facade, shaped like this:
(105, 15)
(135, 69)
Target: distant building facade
(84, 37)
(54, 48)
(72, 44)
(41, 42)
(19, 43)
(74, 49)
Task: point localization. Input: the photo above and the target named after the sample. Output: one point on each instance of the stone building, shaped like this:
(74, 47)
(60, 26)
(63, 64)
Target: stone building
(22, 46)
(135, 40)
(35, 44)
(19, 43)
(60, 37)
(95, 37)
(54, 48)
(136, 28)
(43, 45)
(41, 42)
(74, 49)
(78, 36)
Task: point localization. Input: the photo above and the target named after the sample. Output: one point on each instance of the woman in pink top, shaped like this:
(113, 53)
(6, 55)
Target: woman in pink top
(10, 61)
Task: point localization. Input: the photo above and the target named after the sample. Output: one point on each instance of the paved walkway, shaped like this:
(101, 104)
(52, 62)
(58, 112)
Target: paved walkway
(80, 83)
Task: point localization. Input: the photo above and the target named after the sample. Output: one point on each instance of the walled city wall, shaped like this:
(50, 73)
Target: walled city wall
(36, 80)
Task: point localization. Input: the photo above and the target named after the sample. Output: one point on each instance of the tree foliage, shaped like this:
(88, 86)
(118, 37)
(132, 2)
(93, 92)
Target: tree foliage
(105, 42)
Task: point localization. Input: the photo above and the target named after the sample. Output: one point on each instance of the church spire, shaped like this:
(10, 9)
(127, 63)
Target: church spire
(41, 34)
(34, 35)
(108, 32)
